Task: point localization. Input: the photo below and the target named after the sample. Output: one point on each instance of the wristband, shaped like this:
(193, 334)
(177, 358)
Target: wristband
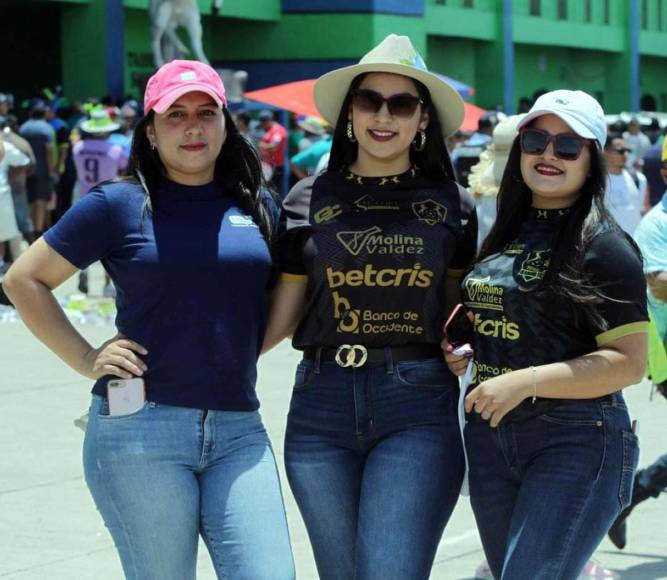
(533, 372)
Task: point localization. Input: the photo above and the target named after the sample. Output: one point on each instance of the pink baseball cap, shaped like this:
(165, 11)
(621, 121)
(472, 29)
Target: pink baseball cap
(178, 77)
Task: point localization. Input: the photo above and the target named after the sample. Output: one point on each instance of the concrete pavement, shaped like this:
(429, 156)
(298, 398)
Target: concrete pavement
(49, 528)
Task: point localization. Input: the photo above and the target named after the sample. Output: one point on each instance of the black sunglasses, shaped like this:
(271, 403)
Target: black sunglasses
(566, 146)
(401, 105)
(619, 150)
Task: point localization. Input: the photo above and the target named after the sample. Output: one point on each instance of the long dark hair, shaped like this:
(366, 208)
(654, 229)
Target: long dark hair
(434, 160)
(587, 218)
(238, 171)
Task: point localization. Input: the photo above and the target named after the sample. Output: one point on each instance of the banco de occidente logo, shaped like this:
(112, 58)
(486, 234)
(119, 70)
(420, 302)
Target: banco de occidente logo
(373, 241)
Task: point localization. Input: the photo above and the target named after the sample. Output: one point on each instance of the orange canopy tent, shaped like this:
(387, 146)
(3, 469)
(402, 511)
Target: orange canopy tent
(297, 97)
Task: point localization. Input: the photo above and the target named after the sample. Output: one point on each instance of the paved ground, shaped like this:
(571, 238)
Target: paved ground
(49, 528)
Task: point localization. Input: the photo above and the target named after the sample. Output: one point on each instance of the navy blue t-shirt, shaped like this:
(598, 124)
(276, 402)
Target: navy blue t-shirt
(191, 280)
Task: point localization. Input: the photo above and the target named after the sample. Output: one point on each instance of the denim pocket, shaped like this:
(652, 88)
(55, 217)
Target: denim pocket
(585, 414)
(304, 375)
(630, 459)
(426, 374)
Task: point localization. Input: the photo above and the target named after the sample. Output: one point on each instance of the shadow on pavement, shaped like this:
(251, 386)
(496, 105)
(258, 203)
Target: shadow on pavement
(653, 570)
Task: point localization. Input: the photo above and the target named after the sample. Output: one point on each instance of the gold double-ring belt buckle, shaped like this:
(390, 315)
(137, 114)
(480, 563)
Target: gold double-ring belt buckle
(355, 355)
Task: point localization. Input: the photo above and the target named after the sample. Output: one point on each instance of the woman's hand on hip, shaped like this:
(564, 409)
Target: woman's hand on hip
(118, 357)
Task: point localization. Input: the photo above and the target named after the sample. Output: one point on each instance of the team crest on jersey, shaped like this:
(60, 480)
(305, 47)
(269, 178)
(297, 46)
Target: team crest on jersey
(534, 266)
(430, 212)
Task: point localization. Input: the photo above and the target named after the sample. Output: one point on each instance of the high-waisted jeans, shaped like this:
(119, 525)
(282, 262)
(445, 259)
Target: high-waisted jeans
(546, 490)
(375, 462)
(162, 476)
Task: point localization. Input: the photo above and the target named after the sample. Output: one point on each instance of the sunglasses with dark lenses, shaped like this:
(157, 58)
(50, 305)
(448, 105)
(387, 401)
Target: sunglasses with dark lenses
(620, 150)
(566, 146)
(401, 105)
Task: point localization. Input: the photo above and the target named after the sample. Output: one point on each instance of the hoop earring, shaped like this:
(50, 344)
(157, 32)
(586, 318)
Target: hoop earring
(350, 133)
(422, 141)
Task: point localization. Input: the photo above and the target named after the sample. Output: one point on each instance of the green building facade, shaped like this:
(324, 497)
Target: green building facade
(505, 49)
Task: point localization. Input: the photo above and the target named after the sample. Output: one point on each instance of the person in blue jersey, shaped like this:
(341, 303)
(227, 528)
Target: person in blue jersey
(557, 297)
(185, 240)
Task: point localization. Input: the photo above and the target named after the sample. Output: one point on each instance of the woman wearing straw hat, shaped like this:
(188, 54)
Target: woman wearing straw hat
(370, 264)
(175, 449)
(559, 304)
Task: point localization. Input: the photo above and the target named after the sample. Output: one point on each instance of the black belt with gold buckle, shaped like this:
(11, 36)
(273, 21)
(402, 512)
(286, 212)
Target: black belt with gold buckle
(357, 355)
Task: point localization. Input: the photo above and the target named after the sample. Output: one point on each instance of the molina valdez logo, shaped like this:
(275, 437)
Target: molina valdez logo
(483, 293)
(374, 242)
(355, 242)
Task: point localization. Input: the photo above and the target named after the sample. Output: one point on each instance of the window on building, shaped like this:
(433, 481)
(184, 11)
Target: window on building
(588, 10)
(605, 12)
(536, 7)
(562, 9)
(644, 15)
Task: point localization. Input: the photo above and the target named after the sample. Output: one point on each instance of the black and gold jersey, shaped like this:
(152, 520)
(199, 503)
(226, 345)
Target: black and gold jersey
(375, 253)
(516, 327)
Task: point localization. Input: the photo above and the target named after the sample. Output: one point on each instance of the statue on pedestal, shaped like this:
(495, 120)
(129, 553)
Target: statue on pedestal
(168, 15)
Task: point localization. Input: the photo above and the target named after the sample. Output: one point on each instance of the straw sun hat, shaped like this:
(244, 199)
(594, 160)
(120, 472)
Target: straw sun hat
(395, 54)
(485, 176)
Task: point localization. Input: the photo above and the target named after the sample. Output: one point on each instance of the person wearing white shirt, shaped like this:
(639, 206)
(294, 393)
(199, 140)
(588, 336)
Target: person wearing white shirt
(10, 156)
(622, 197)
(636, 141)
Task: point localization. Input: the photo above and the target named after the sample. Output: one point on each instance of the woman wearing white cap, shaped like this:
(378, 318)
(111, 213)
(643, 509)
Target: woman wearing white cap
(558, 300)
(175, 449)
(370, 266)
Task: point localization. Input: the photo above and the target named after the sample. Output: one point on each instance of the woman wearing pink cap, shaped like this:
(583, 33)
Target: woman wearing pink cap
(175, 447)
(558, 300)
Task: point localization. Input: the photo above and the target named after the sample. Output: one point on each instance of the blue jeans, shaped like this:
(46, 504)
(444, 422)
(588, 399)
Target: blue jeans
(546, 490)
(162, 476)
(22, 211)
(375, 462)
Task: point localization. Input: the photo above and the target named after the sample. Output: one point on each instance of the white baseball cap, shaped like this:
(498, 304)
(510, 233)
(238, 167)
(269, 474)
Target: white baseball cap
(578, 109)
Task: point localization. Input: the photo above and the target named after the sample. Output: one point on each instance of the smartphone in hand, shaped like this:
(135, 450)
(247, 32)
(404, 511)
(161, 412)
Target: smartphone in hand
(459, 331)
(125, 396)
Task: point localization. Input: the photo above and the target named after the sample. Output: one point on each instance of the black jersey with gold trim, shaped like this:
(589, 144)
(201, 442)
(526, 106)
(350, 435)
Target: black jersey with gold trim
(516, 327)
(375, 253)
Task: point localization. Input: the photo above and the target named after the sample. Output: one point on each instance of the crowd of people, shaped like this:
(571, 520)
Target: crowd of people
(385, 238)
(56, 152)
